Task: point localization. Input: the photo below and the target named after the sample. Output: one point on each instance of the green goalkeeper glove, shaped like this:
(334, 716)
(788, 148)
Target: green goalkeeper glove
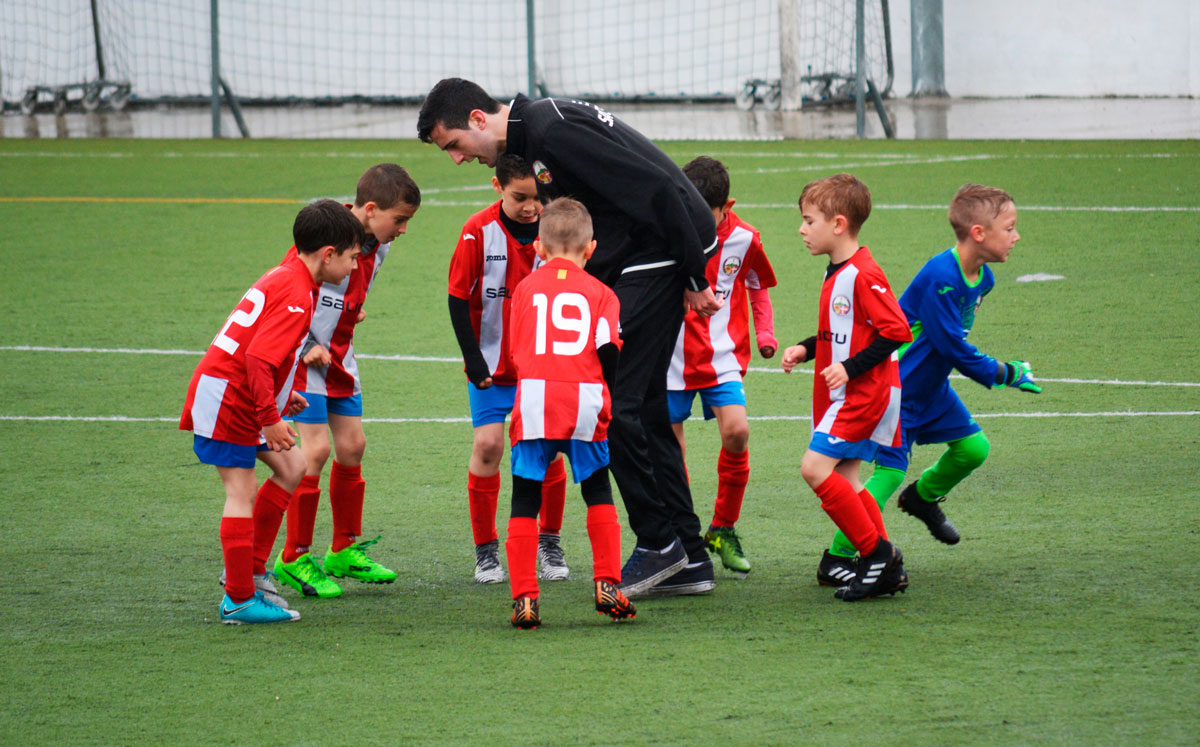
(1020, 375)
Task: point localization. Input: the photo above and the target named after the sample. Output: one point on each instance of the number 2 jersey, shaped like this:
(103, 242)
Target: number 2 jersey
(334, 318)
(487, 265)
(270, 323)
(857, 306)
(716, 349)
(561, 316)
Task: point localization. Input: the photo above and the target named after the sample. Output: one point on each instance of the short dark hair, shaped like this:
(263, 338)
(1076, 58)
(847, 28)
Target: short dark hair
(840, 194)
(387, 185)
(510, 166)
(711, 179)
(326, 223)
(450, 103)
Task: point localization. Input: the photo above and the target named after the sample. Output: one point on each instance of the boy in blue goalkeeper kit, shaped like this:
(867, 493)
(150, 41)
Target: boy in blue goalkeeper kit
(940, 304)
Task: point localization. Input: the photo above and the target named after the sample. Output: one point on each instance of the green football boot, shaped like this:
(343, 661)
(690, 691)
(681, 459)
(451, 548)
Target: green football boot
(725, 543)
(352, 562)
(304, 575)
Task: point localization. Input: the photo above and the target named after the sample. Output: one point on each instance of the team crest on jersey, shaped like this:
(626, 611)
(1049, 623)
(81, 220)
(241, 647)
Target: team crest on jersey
(841, 305)
(541, 172)
(731, 265)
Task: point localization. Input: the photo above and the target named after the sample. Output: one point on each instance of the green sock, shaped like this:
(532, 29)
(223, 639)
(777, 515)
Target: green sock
(883, 482)
(959, 460)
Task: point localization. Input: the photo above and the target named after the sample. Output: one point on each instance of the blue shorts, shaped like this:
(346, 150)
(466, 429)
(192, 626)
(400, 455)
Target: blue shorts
(839, 448)
(531, 458)
(225, 454)
(718, 395)
(319, 407)
(491, 405)
(950, 422)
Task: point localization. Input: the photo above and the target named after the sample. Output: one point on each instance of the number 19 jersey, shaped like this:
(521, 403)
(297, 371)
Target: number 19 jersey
(270, 323)
(560, 317)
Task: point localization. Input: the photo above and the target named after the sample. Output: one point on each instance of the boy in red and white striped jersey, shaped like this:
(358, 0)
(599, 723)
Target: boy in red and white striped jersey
(386, 198)
(241, 388)
(712, 354)
(565, 346)
(495, 253)
(856, 390)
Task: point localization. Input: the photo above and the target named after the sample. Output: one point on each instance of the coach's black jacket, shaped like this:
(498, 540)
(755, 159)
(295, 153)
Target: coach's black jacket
(647, 216)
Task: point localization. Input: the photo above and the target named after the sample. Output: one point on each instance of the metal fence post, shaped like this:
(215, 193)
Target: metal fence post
(215, 65)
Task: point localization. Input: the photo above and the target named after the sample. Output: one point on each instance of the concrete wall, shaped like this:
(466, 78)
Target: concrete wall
(999, 48)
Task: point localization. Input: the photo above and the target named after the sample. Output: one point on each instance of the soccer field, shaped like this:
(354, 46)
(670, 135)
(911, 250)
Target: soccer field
(1069, 613)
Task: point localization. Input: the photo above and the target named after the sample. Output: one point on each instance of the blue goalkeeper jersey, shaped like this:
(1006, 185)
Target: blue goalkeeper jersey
(940, 305)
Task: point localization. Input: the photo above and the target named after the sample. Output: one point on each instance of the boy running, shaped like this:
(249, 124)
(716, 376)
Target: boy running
(385, 200)
(940, 304)
(495, 253)
(856, 390)
(712, 353)
(240, 389)
(566, 343)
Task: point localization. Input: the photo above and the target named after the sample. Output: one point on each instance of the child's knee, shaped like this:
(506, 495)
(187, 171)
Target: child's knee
(735, 439)
(316, 453)
(489, 448)
(971, 451)
(813, 470)
(350, 448)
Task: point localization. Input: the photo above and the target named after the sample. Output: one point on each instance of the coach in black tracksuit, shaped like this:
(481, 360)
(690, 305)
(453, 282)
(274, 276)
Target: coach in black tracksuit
(653, 234)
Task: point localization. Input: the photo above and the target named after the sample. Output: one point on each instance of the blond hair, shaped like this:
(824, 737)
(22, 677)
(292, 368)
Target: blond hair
(840, 194)
(975, 205)
(565, 226)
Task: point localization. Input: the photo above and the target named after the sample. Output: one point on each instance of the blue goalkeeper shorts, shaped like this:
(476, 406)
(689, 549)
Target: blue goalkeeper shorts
(948, 421)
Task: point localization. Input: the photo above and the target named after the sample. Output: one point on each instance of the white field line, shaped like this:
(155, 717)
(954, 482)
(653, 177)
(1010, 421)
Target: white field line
(393, 421)
(436, 359)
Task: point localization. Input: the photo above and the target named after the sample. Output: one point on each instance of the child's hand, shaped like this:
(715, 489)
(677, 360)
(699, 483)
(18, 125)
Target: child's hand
(835, 375)
(280, 437)
(317, 356)
(296, 403)
(793, 355)
(767, 351)
(361, 315)
(485, 384)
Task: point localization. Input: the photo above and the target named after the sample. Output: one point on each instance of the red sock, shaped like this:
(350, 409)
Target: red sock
(521, 548)
(872, 507)
(554, 496)
(846, 509)
(301, 516)
(237, 545)
(733, 472)
(346, 489)
(483, 493)
(269, 506)
(604, 531)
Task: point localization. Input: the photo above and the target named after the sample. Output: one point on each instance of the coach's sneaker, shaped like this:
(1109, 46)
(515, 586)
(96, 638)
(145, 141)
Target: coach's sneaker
(254, 610)
(697, 577)
(835, 570)
(525, 613)
(487, 563)
(929, 512)
(352, 562)
(725, 543)
(550, 558)
(881, 572)
(645, 568)
(610, 601)
(305, 576)
(263, 583)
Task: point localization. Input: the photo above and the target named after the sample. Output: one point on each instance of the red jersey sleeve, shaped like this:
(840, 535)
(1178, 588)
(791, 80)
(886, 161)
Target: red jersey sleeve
(465, 264)
(284, 325)
(759, 273)
(608, 326)
(880, 306)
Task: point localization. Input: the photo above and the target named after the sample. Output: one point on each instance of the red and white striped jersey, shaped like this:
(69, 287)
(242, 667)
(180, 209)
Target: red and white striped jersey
(271, 323)
(486, 268)
(561, 316)
(716, 349)
(857, 305)
(334, 319)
